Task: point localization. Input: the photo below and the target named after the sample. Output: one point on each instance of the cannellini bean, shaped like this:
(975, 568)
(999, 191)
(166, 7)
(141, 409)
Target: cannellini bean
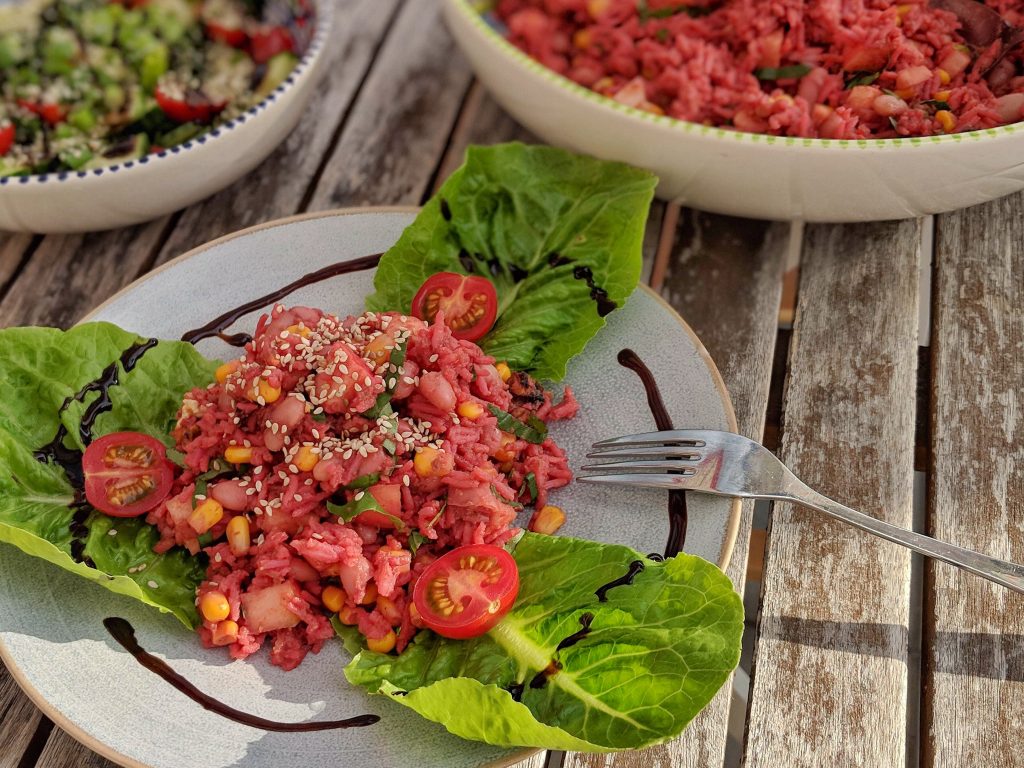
(438, 391)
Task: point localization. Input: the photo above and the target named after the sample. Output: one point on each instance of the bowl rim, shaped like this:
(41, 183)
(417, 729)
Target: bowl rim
(472, 11)
(323, 20)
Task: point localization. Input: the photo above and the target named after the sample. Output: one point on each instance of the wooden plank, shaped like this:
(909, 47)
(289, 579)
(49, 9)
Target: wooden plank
(400, 124)
(70, 274)
(62, 751)
(713, 260)
(830, 669)
(973, 666)
(19, 720)
(13, 248)
(278, 186)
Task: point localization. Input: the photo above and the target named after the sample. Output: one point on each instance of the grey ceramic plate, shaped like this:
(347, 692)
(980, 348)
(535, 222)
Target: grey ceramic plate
(51, 636)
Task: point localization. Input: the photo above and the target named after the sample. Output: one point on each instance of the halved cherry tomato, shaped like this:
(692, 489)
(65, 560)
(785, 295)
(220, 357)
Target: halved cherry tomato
(224, 33)
(6, 137)
(267, 41)
(51, 113)
(467, 591)
(470, 304)
(126, 474)
(193, 107)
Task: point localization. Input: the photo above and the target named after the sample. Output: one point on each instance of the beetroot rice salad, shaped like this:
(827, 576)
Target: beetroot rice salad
(834, 69)
(343, 456)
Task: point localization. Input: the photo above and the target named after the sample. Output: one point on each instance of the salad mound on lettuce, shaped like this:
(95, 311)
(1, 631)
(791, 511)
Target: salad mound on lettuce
(604, 649)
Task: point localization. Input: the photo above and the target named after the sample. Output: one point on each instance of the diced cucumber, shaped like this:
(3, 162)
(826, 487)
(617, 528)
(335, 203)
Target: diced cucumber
(278, 68)
(14, 50)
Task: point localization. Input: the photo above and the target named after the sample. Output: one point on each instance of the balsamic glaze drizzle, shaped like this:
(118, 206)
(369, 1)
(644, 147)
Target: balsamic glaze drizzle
(575, 637)
(124, 634)
(677, 517)
(516, 691)
(218, 324)
(446, 211)
(541, 678)
(635, 567)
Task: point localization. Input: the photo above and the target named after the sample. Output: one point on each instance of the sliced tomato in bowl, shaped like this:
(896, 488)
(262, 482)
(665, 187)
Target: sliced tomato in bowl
(469, 303)
(467, 591)
(126, 473)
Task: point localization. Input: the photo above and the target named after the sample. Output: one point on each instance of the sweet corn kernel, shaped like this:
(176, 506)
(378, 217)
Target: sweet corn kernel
(349, 615)
(471, 411)
(268, 392)
(944, 77)
(423, 462)
(905, 93)
(379, 349)
(239, 537)
(941, 95)
(305, 459)
(946, 120)
(205, 516)
(414, 616)
(237, 454)
(333, 598)
(388, 608)
(299, 329)
(370, 596)
(225, 633)
(547, 520)
(504, 371)
(225, 370)
(214, 606)
(506, 454)
(384, 644)
(582, 38)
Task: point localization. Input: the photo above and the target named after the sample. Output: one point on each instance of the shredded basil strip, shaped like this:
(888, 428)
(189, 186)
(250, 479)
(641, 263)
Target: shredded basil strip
(693, 11)
(416, 540)
(782, 73)
(531, 486)
(862, 78)
(383, 405)
(365, 503)
(364, 481)
(217, 468)
(534, 431)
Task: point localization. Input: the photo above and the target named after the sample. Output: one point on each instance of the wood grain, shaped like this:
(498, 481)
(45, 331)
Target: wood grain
(62, 751)
(279, 185)
(974, 645)
(715, 259)
(13, 248)
(19, 719)
(70, 274)
(830, 670)
(402, 120)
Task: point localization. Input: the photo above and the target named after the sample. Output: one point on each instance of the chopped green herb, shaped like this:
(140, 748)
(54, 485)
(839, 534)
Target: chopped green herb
(217, 468)
(320, 417)
(662, 35)
(416, 540)
(530, 486)
(938, 105)
(861, 78)
(436, 518)
(534, 431)
(364, 503)
(364, 481)
(205, 539)
(693, 11)
(176, 456)
(788, 72)
(389, 446)
(383, 405)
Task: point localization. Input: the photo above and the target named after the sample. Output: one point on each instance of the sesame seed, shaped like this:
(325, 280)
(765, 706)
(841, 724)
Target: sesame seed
(152, 584)
(112, 532)
(359, 495)
(405, 480)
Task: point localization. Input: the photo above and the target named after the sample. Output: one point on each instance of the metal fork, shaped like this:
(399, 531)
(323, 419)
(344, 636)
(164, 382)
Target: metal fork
(726, 464)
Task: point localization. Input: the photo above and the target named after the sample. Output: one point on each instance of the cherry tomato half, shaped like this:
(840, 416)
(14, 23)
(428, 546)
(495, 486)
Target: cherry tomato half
(225, 33)
(126, 473)
(267, 41)
(467, 591)
(470, 304)
(193, 107)
(51, 113)
(6, 137)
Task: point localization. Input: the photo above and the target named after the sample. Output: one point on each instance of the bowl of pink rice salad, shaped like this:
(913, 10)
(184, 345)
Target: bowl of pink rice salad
(816, 111)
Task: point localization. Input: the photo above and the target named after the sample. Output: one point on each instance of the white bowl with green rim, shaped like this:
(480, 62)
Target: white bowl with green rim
(744, 174)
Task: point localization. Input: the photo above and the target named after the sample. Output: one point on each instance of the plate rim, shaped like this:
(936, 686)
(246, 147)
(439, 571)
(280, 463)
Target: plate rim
(60, 720)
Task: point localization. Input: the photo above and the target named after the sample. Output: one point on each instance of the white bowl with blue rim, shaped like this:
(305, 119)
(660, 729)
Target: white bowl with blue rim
(743, 174)
(157, 184)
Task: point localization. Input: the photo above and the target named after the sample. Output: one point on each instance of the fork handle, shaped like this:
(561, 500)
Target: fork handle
(1001, 572)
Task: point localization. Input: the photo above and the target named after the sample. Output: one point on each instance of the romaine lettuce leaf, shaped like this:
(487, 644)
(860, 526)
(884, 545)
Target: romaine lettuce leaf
(41, 367)
(537, 221)
(656, 653)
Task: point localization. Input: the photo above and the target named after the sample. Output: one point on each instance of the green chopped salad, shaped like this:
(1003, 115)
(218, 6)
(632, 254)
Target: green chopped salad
(86, 84)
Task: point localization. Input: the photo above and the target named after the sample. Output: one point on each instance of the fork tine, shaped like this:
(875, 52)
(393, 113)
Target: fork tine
(641, 466)
(684, 437)
(661, 451)
(646, 481)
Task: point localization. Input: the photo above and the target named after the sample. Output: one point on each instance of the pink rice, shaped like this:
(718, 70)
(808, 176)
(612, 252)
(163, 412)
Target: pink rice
(864, 69)
(477, 483)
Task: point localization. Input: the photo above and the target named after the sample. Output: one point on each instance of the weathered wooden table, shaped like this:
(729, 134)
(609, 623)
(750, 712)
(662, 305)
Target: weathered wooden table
(884, 362)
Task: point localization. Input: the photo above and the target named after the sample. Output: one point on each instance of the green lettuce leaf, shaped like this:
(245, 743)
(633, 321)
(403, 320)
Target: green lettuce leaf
(657, 652)
(511, 212)
(42, 367)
